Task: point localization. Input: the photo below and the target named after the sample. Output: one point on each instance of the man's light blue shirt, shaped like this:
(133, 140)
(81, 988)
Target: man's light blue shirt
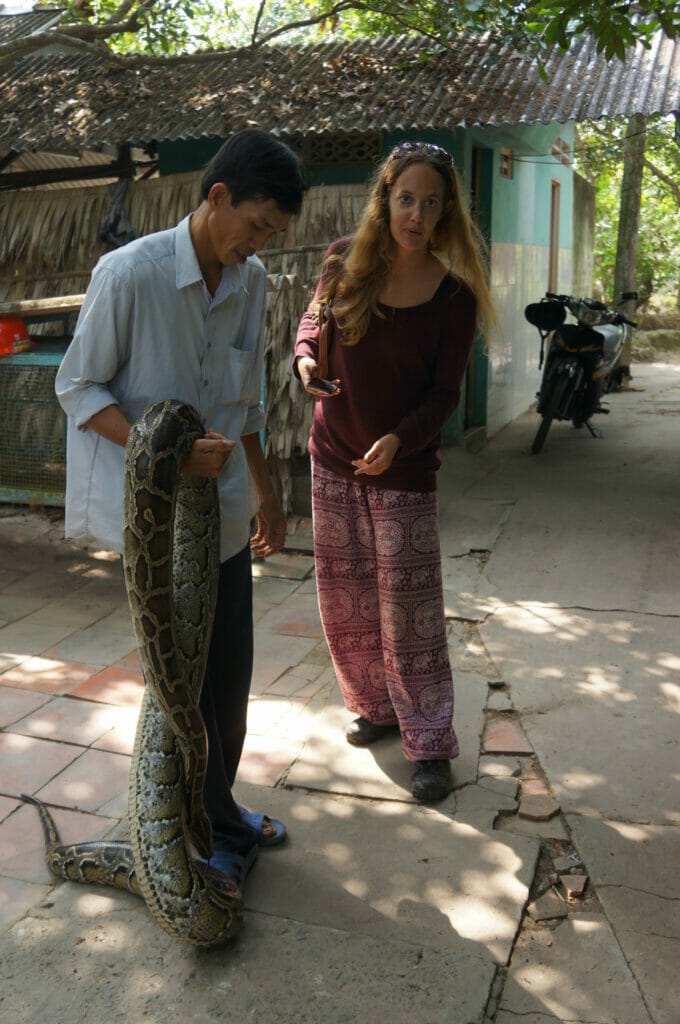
(150, 330)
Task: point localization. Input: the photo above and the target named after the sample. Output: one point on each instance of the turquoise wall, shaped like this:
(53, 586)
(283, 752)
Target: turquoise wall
(519, 252)
(519, 210)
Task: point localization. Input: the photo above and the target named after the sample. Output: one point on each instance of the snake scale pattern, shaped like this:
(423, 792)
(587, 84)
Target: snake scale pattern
(171, 562)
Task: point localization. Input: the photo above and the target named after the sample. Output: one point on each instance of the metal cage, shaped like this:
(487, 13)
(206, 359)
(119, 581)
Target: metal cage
(32, 430)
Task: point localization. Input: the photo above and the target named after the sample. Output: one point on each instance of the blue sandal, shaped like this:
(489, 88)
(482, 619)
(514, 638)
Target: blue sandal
(256, 821)
(232, 864)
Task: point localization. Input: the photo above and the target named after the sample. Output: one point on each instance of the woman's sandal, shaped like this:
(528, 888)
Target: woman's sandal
(257, 821)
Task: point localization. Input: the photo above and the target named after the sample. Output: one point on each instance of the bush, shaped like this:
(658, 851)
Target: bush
(657, 321)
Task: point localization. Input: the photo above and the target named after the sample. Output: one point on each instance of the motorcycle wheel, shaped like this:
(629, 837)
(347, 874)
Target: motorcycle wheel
(551, 408)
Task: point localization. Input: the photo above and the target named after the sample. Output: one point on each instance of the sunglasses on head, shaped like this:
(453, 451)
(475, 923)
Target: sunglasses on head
(403, 148)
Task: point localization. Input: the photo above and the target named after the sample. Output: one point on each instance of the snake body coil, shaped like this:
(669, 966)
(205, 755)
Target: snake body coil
(171, 561)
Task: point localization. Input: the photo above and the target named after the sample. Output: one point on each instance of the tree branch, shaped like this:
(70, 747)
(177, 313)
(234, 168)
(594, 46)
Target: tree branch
(345, 5)
(81, 34)
(672, 185)
(340, 8)
(253, 38)
(120, 12)
(88, 31)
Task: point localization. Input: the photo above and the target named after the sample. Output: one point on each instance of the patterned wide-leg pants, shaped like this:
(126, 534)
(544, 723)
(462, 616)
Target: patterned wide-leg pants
(378, 574)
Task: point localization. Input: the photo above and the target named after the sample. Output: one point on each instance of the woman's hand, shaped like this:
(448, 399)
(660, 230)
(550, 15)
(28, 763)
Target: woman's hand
(208, 455)
(379, 456)
(308, 369)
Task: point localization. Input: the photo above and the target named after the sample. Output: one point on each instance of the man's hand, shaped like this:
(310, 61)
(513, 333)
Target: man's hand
(208, 455)
(379, 456)
(271, 529)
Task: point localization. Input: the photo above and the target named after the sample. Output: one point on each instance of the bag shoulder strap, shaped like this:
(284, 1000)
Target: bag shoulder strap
(326, 331)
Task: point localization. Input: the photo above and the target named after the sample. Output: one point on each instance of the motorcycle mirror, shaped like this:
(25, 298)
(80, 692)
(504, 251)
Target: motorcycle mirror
(546, 315)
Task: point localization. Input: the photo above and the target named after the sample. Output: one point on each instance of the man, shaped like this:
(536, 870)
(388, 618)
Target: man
(180, 314)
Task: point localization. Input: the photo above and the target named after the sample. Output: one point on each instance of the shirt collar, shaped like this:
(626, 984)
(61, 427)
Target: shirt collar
(187, 270)
(187, 267)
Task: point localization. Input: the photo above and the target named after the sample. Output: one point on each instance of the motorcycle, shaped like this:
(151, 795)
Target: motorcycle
(579, 360)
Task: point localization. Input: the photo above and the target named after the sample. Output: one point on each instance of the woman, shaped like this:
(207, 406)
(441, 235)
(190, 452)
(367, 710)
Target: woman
(404, 327)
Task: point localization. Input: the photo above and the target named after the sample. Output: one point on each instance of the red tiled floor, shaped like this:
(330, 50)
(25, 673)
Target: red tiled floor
(504, 736)
(7, 805)
(22, 850)
(295, 618)
(17, 898)
(47, 675)
(15, 704)
(123, 687)
(120, 738)
(262, 763)
(90, 782)
(27, 763)
(130, 661)
(68, 720)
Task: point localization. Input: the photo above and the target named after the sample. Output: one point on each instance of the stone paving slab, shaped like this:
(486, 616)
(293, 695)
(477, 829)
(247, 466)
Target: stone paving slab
(392, 871)
(553, 829)
(514, 573)
(119, 737)
(13, 607)
(460, 581)
(22, 847)
(84, 950)
(469, 525)
(275, 654)
(296, 617)
(22, 639)
(581, 977)
(95, 645)
(89, 782)
(580, 678)
(16, 899)
(284, 566)
(48, 675)
(327, 762)
(66, 719)
(8, 804)
(634, 869)
(15, 704)
(120, 686)
(27, 763)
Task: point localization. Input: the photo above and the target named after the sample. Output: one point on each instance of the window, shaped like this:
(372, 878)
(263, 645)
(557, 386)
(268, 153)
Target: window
(507, 162)
(561, 151)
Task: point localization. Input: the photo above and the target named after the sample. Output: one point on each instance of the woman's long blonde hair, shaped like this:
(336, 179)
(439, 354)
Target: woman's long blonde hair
(356, 277)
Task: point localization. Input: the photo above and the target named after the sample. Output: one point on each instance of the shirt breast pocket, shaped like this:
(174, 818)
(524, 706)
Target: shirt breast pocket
(237, 377)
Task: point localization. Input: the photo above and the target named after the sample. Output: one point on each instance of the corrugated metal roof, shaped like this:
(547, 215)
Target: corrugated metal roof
(17, 26)
(43, 161)
(60, 100)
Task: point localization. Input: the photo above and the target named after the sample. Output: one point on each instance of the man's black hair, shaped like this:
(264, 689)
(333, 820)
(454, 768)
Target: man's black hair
(254, 165)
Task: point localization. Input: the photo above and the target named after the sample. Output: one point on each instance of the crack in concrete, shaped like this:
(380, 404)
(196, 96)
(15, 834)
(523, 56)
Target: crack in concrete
(633, 888)
(618, 611)
(550, 1017)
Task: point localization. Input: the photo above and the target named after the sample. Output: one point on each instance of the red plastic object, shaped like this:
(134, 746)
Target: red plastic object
(13, 336)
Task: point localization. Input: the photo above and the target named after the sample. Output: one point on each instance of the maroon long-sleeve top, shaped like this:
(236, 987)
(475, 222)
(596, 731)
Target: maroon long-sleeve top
(403, 377)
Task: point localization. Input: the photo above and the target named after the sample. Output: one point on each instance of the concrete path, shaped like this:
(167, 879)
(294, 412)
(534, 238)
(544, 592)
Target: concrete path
(543, 889)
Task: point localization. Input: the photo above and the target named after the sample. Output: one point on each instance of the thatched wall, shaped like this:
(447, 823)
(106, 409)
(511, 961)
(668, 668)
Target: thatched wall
(49, 243)
(49, 240)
